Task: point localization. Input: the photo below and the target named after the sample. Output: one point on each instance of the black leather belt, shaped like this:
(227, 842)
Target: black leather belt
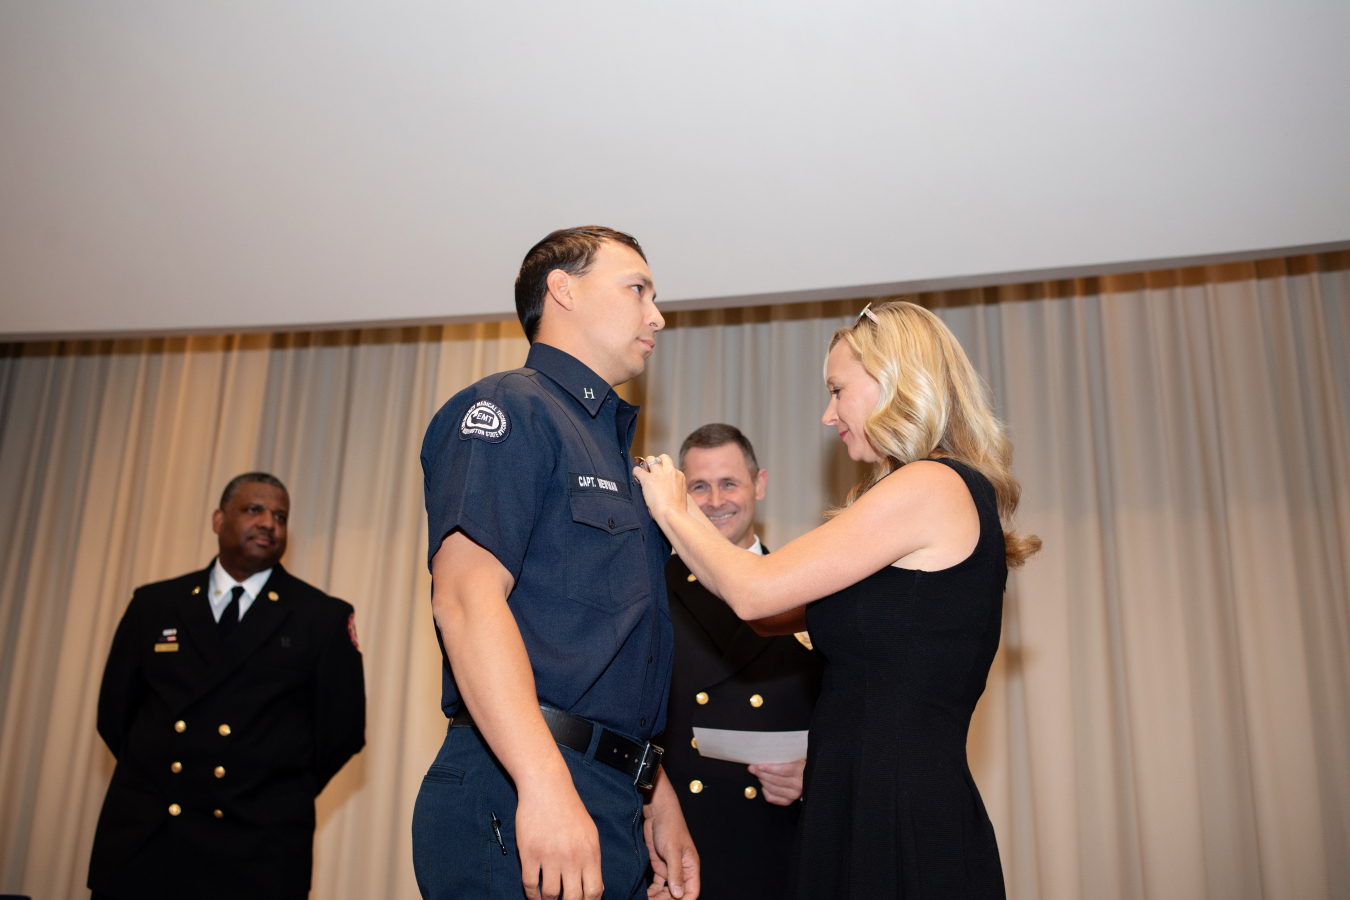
(636, 759)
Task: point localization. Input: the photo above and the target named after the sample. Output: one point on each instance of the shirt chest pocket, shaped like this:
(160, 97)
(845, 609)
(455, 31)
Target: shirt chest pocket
(606, 563)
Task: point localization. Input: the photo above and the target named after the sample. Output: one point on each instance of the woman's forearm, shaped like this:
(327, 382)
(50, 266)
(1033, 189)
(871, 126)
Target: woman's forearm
(725, 569)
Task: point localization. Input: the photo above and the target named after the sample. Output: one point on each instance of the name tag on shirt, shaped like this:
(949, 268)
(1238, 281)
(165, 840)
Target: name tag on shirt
(579, 483)
(166, 648)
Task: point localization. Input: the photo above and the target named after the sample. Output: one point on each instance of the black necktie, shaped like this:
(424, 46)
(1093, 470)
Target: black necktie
(230, 617)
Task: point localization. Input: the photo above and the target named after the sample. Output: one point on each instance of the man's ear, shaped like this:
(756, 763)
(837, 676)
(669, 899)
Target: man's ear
(560, 290)
(216, 518)
(761, 483)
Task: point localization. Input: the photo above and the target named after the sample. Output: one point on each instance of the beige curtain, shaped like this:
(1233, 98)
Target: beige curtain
(1169, 714)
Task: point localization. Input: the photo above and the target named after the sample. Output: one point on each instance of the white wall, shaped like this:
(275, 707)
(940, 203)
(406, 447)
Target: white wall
(245, 165)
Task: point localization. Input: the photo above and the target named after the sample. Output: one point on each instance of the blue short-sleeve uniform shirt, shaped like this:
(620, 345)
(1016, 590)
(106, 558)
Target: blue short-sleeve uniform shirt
(533, 465)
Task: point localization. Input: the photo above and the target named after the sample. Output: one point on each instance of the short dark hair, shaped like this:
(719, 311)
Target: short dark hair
(570, 249)
(239, 481)
(719, 435)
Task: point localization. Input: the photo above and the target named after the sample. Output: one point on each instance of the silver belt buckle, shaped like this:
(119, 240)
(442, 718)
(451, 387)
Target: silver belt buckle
(651, 761)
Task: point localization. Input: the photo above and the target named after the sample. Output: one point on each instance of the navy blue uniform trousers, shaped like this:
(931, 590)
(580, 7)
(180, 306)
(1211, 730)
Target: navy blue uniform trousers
(455, 852)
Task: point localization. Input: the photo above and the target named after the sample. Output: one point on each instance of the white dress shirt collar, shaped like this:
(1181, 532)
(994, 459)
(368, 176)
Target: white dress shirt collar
(222, 584)
(756, 547)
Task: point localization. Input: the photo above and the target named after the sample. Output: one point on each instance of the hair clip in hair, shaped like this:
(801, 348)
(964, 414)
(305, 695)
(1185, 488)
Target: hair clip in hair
(867, 311)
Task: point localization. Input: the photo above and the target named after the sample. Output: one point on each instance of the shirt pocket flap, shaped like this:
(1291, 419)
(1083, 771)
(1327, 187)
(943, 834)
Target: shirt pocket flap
(612, 514)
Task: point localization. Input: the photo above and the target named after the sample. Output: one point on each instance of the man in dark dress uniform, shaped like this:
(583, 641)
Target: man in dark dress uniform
(727, 676)
(550, 605)
(230, 697)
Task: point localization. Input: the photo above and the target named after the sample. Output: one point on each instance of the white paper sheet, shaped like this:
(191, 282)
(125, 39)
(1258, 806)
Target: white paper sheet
(751, 747)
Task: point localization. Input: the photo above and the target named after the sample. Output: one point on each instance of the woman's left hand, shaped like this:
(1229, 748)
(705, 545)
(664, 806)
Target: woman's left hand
(662, 487)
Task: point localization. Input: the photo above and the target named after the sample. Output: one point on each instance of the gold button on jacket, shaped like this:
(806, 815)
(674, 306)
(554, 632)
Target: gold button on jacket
(176, 768)
(224, 730)
(695, 786)
(693, 742)
(180, 726)
(692, 578)
(174, 809)
(220, 771)
(701, 697)
(756, 701)
(751, 793)
(218, 814)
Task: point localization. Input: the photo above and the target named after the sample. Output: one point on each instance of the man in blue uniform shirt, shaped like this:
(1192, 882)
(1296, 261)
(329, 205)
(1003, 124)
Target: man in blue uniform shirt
(550, 605)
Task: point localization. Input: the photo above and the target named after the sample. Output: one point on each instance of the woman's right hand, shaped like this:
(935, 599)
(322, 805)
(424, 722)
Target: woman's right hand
(663, 488)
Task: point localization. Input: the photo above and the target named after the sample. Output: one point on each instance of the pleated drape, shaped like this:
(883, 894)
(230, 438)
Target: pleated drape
(1169, 715)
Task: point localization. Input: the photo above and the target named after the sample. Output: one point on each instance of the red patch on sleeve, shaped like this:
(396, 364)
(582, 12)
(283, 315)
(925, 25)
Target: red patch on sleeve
(351, 630)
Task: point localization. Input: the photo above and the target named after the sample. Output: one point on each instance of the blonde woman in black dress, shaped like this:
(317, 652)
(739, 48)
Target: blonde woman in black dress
(902, 592)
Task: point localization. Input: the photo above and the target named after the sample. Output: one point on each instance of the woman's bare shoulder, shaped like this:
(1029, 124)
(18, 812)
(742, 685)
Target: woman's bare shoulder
(938, 511)
(929, 479)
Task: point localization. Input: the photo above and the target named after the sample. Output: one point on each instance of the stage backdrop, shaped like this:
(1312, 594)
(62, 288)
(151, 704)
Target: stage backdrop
(1168, 716)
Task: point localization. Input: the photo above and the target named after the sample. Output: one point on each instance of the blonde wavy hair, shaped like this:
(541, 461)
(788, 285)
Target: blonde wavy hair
(932, 404)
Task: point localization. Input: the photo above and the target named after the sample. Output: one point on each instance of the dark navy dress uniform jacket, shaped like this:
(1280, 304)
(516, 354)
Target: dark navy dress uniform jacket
(533, 465)
(744, 843)
(222, 745)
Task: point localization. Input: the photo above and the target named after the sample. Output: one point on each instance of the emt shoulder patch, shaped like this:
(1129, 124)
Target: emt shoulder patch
(485, 421)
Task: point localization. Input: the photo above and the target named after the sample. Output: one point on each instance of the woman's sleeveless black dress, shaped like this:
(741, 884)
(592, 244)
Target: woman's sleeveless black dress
(890, 809)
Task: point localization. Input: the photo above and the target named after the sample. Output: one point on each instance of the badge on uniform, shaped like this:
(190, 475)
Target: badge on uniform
(351, 630)
(485, 421)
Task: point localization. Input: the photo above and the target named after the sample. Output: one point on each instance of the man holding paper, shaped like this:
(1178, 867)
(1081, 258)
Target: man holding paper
(748, 698)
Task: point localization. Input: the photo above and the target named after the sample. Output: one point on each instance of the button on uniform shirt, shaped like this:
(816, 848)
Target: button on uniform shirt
(533, 465)
(221, 588)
